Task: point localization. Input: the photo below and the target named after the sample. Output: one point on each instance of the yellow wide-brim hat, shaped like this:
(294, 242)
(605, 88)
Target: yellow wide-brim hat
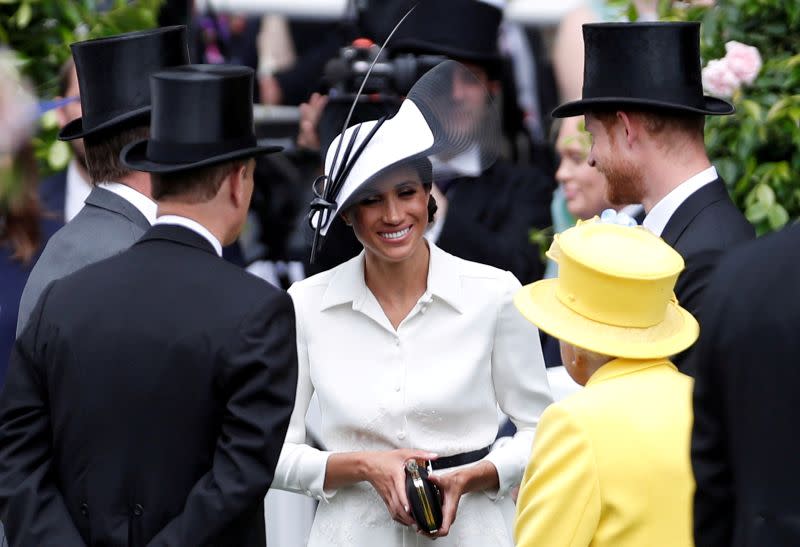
(614, 293)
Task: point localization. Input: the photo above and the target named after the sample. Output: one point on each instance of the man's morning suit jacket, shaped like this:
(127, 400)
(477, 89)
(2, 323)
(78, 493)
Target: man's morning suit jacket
(489, 218)
(147, 402)
(745, 444)
(108, 224)
(702, 229)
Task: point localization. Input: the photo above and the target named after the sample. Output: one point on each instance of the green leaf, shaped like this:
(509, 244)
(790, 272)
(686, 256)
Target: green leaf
(756, 212)
(58, 155)
(752, 108)
(765, 195)
(49, 120)
(777, 217)
(24, 15)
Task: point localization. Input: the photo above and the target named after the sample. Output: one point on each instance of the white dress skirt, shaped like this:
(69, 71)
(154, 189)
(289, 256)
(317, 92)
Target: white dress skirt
(434, 383)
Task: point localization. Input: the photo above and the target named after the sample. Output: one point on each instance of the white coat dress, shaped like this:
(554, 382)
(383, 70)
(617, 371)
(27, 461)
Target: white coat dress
(435, 384)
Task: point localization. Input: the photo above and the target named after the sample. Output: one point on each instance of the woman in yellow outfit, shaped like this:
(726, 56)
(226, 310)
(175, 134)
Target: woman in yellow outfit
(610, 464)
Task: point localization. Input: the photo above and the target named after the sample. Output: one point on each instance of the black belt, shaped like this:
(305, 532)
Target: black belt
(460, 459)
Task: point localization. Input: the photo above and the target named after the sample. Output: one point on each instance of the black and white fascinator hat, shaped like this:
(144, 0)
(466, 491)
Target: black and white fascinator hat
(447, 119)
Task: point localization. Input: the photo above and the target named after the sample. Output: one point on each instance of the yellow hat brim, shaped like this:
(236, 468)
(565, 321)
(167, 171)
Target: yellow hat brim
(538, 304)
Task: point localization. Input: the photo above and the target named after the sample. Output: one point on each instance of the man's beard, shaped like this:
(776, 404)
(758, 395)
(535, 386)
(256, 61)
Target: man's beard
(625, 182)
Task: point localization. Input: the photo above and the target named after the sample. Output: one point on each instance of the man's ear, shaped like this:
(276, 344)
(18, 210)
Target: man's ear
(236, 177)
(631, 126)
(345, 218)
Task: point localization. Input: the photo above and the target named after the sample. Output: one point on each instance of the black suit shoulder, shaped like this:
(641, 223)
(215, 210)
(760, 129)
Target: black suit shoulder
(719, 226)
(707, 220)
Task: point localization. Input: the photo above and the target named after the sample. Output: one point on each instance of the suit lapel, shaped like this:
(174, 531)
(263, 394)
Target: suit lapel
(100, 197)
(689, 209)
(177, 234)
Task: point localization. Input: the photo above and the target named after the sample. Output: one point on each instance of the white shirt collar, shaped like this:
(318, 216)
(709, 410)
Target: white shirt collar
(348, 285)
(144, 204)
(194, 226)
(465, 164)
(76, 192)
(656, 220)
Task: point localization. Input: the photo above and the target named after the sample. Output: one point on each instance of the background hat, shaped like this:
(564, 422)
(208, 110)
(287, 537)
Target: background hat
(465, 30)
(650, 65)
(613, 295)
(430, 125)
(112, 75)
(202, 116)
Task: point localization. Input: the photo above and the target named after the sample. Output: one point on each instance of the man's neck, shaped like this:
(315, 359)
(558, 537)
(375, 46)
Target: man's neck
(667, 173)
(200, 213)
(139, 182)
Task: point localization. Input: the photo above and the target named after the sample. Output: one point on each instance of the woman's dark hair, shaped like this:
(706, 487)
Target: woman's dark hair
(432, 206)
(424, 170)
(20, 213)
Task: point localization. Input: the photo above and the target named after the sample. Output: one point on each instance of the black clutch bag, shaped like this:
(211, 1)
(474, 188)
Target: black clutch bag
(424, 498)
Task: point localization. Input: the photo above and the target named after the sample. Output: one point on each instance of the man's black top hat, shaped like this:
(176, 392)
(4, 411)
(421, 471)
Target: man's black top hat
(645, 65)
(465, 30)
(112, 75)
(202, 116)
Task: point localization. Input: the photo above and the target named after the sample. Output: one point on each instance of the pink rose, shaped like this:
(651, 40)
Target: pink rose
(719, 79)
(743, 60)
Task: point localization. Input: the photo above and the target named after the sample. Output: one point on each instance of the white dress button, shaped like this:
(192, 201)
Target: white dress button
(401, 435)
(397, 388)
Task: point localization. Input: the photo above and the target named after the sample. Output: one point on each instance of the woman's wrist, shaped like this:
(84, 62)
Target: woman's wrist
(481, 476)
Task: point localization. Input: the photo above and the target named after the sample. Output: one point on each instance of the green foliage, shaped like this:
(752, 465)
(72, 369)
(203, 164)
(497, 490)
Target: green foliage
(757, 150)
(40, 32)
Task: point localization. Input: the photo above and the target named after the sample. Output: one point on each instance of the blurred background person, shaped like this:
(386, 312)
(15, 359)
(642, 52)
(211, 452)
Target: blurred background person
(610, 464)
(24, 226)
(483, 216)
(581, 195)
(64, 192)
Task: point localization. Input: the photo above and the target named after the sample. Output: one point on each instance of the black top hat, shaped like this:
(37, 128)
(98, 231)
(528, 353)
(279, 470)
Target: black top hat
(646, 65)
(465, 30)
(112, 75)
(202, 116)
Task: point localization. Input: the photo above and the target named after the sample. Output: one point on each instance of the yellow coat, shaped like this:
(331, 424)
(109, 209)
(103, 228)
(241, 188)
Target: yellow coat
(610, 465)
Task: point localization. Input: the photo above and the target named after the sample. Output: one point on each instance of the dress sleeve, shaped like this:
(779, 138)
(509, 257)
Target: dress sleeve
(301, 468)
(520, 385)
(559, 501)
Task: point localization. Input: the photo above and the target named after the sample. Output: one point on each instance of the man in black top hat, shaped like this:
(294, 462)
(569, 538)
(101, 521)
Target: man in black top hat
(647, 130)
(484, 217)
(115, 103)
(148, 399)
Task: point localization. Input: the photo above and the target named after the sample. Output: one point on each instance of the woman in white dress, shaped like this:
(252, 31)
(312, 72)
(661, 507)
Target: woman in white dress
(410, 351)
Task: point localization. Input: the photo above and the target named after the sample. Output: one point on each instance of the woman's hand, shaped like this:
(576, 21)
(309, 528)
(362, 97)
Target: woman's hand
(386, 472)
(482, 476)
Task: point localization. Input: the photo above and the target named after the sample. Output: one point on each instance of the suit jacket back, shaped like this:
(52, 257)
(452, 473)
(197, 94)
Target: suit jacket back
(165, 379)
(107, 225)
(744, 443)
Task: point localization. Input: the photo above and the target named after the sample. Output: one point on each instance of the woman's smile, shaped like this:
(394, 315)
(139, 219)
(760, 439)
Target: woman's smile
(396, 236)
